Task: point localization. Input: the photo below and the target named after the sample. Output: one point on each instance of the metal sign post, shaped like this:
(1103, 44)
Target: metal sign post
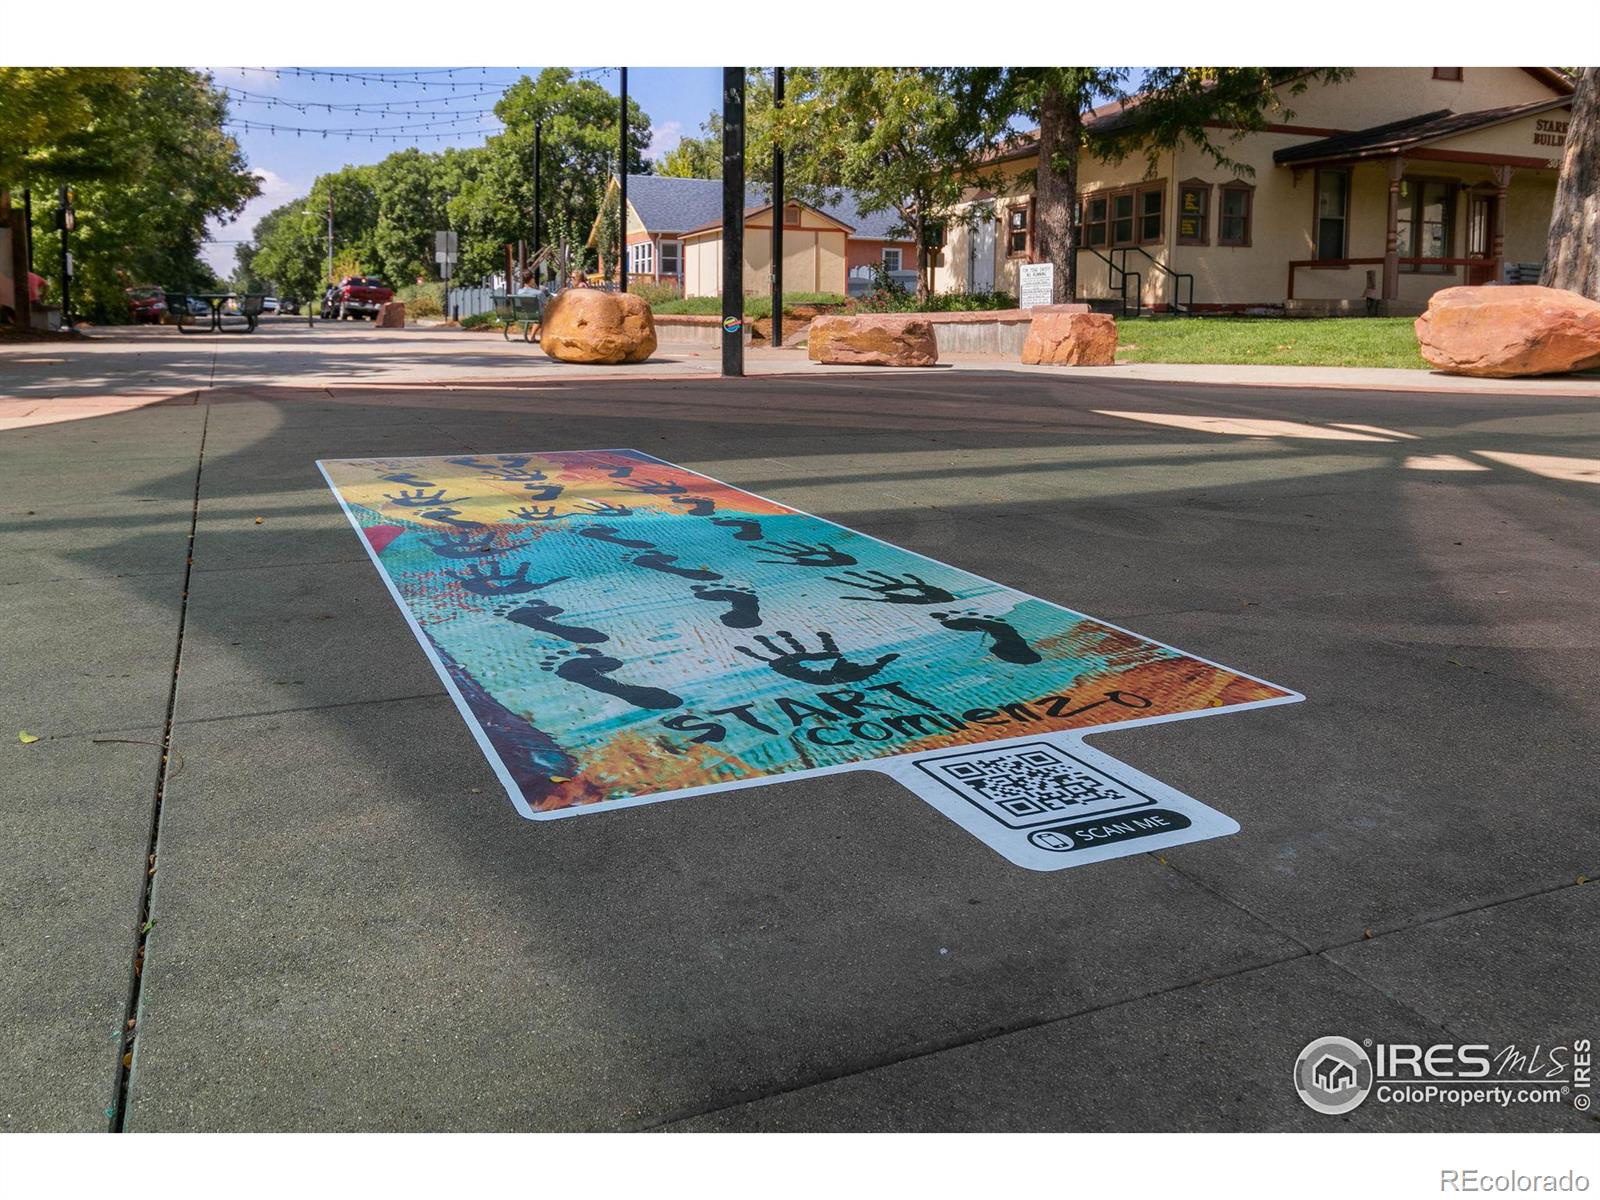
(733, 221)
(445, 252)
(777, 216)
(622, 184)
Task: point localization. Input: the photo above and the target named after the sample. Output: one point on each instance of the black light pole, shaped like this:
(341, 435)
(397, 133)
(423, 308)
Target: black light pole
(622, 182)
(777, 215)
(733, 220)
(66, 260)
(27, 221)
(538, 270)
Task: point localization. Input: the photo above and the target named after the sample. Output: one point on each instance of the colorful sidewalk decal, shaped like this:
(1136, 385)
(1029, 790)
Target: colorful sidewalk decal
(618, 630)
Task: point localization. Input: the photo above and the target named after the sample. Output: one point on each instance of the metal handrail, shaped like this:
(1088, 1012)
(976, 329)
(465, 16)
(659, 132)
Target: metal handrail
(1177, 276)
(1117, 280)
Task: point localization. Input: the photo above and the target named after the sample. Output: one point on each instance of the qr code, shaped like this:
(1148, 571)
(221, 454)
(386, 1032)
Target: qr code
(1031, 784)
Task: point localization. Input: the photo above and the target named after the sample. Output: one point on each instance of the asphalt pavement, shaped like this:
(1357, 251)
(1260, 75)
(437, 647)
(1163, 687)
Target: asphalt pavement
(349, 927)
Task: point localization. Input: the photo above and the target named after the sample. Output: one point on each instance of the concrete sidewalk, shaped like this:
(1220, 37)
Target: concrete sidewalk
(350, 928)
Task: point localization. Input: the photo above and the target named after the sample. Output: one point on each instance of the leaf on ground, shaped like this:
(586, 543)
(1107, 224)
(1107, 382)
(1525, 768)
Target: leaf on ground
(1455, 662)
(259, 520)
(148, 925)
(26, 738)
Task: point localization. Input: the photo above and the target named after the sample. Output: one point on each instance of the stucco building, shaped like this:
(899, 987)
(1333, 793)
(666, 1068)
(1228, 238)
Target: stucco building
(1387, 186)
(675, 233)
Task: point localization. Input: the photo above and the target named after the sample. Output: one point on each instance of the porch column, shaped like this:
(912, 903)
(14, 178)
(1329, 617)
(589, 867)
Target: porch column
(1391, 233)
(1497, 239)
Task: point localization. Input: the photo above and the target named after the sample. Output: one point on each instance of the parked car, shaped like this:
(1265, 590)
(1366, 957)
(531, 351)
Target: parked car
(146, 304)
(288, 304)
(269, 304)
(356, 296)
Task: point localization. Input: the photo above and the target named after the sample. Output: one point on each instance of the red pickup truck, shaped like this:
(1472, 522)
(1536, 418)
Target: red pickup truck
(356, 296)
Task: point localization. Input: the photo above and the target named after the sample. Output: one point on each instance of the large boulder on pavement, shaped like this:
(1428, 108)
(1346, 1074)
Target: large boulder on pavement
(391, 315)
(1501, 332)
(584, 325)
(1069, 337)
(873, 340)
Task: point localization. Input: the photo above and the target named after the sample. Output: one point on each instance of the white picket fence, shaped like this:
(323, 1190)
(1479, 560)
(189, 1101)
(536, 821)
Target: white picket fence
(467, 302)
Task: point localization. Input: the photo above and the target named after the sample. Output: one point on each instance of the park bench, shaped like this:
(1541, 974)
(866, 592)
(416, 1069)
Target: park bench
(528, 311)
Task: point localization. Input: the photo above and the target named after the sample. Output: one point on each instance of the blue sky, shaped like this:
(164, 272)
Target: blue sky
(427, 110)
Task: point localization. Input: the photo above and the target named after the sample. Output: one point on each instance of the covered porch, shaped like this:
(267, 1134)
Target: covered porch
(1438, 200)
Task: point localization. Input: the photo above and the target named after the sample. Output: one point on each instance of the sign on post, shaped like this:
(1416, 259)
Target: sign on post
(1035, 284)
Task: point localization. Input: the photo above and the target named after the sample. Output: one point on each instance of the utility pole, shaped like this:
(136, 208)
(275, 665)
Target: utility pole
(330, 237)
(733, 221)
(777, 214)
(622, 182)
(538, 270)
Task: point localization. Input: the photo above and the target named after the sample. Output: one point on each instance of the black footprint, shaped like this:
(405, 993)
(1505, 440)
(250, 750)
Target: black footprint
(744, 606)
(589, 668)
(655, 560)
(537, 614)
(1008, 645)
(744, 531)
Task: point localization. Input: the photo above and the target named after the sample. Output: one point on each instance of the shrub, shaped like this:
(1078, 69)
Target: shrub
(483, 320)
(422, 299)
(655, 294)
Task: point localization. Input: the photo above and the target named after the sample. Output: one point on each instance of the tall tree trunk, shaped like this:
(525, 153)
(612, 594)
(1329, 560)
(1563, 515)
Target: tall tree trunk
(1572, 261)
(1060, 129)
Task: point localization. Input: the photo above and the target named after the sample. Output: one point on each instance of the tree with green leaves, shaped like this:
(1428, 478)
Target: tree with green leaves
(150, 162)
(900, 138)
(695, 157)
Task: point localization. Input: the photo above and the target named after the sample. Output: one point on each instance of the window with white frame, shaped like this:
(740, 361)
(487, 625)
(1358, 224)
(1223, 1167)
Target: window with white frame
(642, 258)
(671, 258)
(891, 258)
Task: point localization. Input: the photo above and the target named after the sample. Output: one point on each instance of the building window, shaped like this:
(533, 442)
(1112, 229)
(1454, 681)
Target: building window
(1152, 213)
(1453, 74)
(1194, 213)
(1426, 223)
(1333, 210)
(1233, 214)
(891, 259)
(791, 215)
(1122, 219)
(671, 258)
(1095, 221)
(642, 258)
(1019, 231)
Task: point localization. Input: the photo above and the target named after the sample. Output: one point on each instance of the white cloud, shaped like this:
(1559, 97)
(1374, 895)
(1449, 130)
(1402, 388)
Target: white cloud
(663, 137)
(275, 190)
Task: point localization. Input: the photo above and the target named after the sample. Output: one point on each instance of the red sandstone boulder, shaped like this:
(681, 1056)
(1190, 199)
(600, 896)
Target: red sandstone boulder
(873, 340)
(390, 316)
(1064, 338)
(1501, 332)
(585, 325)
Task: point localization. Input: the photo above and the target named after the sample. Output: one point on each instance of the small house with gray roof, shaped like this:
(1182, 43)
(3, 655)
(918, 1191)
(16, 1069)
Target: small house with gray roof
(675, 233)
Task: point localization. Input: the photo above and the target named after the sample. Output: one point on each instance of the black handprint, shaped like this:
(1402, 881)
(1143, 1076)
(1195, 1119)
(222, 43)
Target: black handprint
(598, 509)
(492, 581)
(654, 487)
(655, 560)
(743, 531)
(468, 544)
(417, 498)
(620, 472)
(547, 513)
(698, 506)
(407, 478)
(799, 554)
(515, 462)
(541, 491)
(892, 589)
(790, 660)
(447, 516)
(604, 533)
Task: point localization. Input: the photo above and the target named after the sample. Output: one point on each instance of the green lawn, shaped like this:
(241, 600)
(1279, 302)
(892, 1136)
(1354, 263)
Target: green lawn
(1296, 342)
